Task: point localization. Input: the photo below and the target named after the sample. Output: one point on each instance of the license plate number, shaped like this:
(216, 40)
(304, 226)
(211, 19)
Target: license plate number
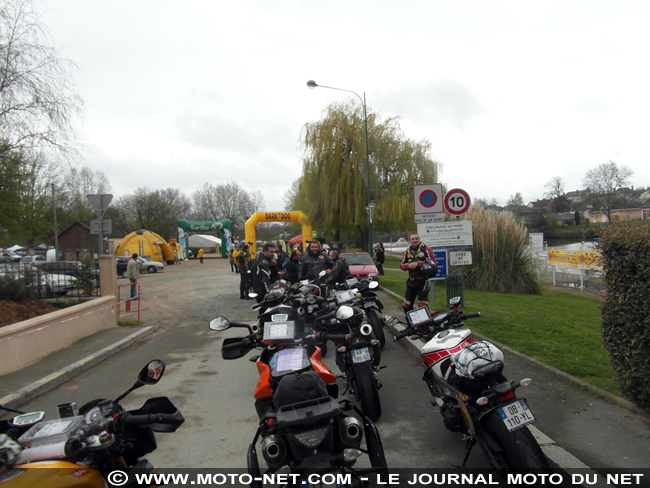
(360, 355)
(516, 414)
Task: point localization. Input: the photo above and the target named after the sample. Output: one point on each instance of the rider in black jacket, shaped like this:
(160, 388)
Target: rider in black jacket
(265, 271)
(313, 262)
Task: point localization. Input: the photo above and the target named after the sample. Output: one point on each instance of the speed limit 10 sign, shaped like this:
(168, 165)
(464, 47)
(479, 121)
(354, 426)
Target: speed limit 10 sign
(457, 201)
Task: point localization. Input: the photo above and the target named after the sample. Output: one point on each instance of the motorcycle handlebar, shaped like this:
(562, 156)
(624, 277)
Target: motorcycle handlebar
(404, 333)
(235, 345)
(472, 315)
(157, 418)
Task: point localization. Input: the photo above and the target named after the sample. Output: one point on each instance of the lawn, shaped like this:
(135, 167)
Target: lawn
(560, 329)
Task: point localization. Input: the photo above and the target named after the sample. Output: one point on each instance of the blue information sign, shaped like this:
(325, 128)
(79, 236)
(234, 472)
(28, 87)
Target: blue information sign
(441, 261)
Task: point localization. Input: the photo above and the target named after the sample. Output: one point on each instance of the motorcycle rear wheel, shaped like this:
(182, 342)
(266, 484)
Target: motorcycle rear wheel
(377, 327)
(367, 390)
(520, 449)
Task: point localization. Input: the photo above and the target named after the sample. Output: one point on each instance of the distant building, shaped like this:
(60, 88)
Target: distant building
(76, 243)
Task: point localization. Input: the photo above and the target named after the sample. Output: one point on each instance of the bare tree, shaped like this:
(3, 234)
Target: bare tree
(226, 201)
(554, 188)
(516, 199)
(37, 96)
(76, 185)
(604, 181)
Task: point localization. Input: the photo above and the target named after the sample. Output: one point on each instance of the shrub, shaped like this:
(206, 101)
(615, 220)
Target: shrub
(625, 247)
(501, 260)
(12, 290)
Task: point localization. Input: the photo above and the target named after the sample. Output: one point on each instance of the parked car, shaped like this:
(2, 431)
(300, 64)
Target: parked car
(361, 265)
(70, 268)
(35, 259)
(144, 264)
(39, 283)
(10, 257)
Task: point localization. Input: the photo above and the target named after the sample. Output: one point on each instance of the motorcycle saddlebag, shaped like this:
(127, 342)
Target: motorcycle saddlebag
(294, 388)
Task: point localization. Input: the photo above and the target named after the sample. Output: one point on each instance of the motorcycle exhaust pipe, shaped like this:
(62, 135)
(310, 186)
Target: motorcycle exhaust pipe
(256, 328)
(350, 431)
(366, 329)
(274, 450)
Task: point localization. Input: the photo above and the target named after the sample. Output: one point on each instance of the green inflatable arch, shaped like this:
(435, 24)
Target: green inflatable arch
(224, 227)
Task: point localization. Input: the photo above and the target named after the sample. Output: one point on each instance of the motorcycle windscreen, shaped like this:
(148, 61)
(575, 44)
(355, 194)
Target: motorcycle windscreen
(236, 349)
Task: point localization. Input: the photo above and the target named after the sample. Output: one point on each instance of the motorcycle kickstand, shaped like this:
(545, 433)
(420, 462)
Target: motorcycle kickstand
(471, 441)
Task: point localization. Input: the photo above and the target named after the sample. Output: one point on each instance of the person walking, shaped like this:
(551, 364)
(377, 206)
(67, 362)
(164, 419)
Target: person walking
(201, 255)
(235, 256)
(416, 256)
(176, 261)
(244, 264)
(231, 259)
(133, 273)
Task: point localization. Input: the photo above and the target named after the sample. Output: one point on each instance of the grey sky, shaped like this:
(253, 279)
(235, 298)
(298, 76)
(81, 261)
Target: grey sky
(509, 93)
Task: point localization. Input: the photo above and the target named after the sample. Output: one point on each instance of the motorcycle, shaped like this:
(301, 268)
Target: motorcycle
(304, 426)
(358, 355)
(90, 443)
(466, 381)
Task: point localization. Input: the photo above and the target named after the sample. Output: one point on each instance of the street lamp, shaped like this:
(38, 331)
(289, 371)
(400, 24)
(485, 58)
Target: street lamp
(370, 206)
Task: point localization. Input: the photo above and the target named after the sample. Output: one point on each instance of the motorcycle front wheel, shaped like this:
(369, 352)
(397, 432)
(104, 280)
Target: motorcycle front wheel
(520, 449)
(377, 327)
(367, 389)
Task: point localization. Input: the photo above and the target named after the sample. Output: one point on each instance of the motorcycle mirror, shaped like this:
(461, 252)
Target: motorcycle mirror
(252, 295)
(322, 273)
(373, 284)
(454, 301)
(152, 372)
(220, 323)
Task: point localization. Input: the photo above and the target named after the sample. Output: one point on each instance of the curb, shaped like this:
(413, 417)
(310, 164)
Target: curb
(53, 380)
(557, 455)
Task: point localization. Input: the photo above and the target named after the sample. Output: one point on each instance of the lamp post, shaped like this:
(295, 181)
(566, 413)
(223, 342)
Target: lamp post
(370, 206)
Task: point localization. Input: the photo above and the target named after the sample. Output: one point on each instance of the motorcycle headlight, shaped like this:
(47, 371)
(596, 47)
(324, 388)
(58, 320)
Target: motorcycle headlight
(311, 438)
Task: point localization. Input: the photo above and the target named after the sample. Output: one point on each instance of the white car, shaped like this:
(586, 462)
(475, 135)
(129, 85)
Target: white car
(149, 266)
(38, 282)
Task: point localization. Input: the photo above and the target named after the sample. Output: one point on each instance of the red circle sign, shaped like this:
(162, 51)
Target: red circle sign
(428, 198)
(457, 201)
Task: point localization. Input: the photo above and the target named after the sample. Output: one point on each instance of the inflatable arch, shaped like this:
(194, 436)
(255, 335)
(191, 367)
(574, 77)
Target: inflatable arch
(146, 243)
(293, 216)
(224, 228)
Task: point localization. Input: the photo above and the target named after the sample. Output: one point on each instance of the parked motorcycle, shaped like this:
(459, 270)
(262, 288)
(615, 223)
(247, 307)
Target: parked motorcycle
(466, 381)
(358, 355)
(371, 304)
(90, 443)
(304, 426)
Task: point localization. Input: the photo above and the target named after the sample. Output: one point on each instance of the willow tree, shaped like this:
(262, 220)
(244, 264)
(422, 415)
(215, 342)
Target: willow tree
(333, 186)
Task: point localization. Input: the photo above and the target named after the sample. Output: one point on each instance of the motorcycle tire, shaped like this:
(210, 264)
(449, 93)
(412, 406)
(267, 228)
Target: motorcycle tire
(377, 327)
(366, 390)
(520, 449)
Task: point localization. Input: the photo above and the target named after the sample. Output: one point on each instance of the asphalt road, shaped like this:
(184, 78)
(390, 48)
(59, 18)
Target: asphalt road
(216, 396)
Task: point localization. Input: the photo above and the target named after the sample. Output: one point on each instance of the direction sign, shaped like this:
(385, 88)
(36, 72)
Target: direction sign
(428, 198)
(457, 201)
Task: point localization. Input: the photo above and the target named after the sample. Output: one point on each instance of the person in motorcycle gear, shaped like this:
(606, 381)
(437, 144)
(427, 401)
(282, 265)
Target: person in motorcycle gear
(265, 271)
(340, 269)
(416, 256)
(244, 263)
(292, 266)
(313, 262)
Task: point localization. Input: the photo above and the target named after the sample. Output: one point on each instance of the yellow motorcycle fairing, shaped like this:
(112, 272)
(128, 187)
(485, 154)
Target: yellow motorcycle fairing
(51, 474)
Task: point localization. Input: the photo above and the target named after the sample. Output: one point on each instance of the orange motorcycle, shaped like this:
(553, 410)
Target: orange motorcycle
(97, 445)
(304, 427)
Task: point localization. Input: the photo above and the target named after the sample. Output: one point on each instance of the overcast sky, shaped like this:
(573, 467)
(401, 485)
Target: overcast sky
(509, 93)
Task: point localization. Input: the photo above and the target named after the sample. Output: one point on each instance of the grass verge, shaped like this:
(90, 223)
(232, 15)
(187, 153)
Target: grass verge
(560, 329)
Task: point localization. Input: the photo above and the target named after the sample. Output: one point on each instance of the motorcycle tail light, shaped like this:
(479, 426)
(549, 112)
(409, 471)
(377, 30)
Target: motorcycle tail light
(311, 438)
(482, 401)
(342, 349)
(374, 342)
(350, 455)
(525, 382)
(507, 396)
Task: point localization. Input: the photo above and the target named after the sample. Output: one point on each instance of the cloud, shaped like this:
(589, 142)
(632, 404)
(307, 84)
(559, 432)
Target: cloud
(444, 101)
(592, 107)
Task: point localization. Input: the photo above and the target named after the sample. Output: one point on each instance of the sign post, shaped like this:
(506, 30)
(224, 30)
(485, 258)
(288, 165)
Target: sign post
(100, 203)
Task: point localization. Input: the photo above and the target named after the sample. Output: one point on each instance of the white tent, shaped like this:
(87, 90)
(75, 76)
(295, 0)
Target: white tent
(202, 240)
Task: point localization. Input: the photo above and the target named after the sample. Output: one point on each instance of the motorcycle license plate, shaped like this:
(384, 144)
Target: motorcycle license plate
(360, 355)
(516, 414)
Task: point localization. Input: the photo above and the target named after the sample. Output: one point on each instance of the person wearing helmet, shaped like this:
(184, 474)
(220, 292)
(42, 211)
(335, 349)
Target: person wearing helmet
(421, 265)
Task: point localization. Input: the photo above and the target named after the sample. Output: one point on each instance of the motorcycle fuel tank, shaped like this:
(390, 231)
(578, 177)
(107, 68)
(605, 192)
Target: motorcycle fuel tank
(53, 474)
(438, 350)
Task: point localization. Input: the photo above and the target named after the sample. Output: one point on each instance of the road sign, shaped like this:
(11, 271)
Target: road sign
(460, 258)
(447, 235)
(457, 201)
(428, 218)
(100, 203)
(31, 252)
(428, 198)
(101, 226)
(441, 262)
(536, 241)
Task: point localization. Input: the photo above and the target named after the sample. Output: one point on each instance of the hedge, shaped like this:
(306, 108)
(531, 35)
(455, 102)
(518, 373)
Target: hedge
(625, 247)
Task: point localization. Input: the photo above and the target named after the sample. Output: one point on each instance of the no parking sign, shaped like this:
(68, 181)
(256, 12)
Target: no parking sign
(428, 198)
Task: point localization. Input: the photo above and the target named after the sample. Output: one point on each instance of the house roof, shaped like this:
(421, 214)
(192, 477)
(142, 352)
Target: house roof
(115, 232)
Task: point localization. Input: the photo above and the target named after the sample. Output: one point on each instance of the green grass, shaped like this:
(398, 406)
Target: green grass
(127, 322)
(557, 328)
